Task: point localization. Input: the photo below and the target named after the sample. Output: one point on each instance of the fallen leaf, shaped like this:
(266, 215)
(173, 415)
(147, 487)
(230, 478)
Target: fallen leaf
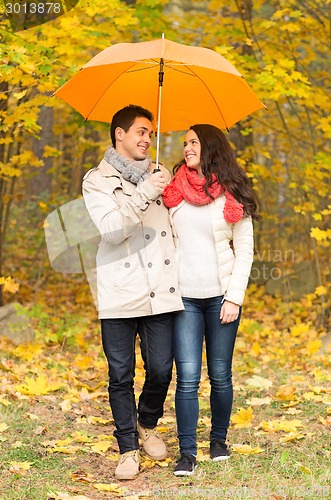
(38, 386)
(281, 425)
(5, 402)
(81, 476)
(19, 467)
(116, 488)
(201, 457)
(3, 427)
(304, 469)
(259, 401)
(100, 447)
(243, 418)
(245, 449)
(286, 393)
(292, 436)
(259, 383)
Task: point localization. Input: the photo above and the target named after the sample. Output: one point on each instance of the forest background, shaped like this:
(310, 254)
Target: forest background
(282, 47)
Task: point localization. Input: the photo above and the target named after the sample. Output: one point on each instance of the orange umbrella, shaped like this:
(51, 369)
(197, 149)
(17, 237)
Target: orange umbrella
(180, 84)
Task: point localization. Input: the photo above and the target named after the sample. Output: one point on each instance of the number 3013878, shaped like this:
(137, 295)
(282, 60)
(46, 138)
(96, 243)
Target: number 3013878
(33, 8)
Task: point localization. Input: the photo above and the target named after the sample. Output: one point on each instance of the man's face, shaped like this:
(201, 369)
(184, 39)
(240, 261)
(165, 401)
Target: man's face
(134, 143)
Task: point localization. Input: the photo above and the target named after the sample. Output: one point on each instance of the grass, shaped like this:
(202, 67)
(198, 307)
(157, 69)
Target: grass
(53, 435)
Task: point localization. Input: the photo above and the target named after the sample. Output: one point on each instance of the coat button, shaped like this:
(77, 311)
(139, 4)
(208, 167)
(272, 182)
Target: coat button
(127, 264)
(152, 294)
(164, 233)
(167, 261)
(149, 264)
(172, 289)
(158, 202)
(147, 236)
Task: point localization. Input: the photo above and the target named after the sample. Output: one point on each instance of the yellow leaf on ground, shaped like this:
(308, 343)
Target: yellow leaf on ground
(203, 444)
(292, 436)
(3, 427)
(19, 467)
(64, 449)
(326, 421)
(147, 463)
(286, 393)
(97, 420)
(258, 401)
(5, 402)
(304, 469)
(81, 476)
(65, 405)
(163, 463)
(243, 418)
(281, 425)
(201, 457)
(101, 447)
(38, 386)
(57, 495)
(116, 488)
(259, 382)
(113, 457)
(245, 449)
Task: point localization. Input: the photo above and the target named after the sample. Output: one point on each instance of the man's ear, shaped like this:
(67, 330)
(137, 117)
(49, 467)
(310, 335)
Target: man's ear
(119, 133)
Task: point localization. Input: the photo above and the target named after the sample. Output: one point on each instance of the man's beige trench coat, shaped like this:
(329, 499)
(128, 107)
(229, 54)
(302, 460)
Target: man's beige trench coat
(136, 267)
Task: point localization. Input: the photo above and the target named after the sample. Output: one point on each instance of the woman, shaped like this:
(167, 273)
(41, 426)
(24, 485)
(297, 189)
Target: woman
(211, 208)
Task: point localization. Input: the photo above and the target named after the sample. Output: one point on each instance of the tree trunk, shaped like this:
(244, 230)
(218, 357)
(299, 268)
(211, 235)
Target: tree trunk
(3, 109)
(41, 180)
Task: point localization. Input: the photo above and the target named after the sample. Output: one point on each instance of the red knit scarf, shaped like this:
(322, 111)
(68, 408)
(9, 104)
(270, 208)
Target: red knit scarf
(187, 185)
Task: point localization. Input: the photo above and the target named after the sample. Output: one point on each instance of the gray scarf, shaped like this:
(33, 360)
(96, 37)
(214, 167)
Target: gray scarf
(134, 171)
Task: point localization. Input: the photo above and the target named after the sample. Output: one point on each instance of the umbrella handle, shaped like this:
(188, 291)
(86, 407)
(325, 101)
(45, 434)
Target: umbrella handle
(156, 170)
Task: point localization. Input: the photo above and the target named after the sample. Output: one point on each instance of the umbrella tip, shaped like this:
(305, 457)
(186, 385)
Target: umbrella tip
(162, 36)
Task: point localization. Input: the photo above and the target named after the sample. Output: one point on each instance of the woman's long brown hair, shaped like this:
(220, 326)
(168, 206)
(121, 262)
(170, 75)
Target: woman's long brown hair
(217, 157)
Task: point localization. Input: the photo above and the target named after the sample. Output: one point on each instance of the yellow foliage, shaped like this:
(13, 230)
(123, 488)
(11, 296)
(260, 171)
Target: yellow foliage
(286, 393)
(8, 283)
(320, 234)
(100, 447)
(281, 425)
(313, 346)
(3, 427)
(19, 467)
(259, 382)
(245, 449)
(243, 418)
(38, 386)
(113, 487)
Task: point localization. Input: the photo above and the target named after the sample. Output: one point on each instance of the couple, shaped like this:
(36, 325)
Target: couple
(175, 277)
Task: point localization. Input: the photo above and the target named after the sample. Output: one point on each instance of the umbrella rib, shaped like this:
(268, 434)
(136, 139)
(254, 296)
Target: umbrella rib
(213, 98)
(101, 96)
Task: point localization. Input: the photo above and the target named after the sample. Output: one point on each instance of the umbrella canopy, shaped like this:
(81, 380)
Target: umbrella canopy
(199, 85)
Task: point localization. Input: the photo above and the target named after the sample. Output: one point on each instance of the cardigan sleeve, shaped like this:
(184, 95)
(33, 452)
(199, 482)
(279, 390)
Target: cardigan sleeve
(243, 246)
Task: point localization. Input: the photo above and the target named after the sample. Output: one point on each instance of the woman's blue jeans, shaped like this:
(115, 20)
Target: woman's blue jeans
(201, 320)
(118, 339)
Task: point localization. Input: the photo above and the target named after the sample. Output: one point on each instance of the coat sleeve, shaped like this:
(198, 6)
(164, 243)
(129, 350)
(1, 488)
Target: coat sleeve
(243, 246)
(116, 222)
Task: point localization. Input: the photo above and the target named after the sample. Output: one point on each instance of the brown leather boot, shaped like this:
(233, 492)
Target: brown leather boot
(152, 443)
(128, 465)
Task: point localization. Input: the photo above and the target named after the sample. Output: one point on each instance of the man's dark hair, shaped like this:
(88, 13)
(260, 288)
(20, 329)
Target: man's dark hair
(125, 117)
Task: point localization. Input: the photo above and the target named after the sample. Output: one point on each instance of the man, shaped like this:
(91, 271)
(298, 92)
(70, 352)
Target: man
(136, 282)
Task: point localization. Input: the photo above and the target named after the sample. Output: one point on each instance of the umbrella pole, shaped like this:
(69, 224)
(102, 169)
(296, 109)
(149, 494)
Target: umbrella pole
(161, 74)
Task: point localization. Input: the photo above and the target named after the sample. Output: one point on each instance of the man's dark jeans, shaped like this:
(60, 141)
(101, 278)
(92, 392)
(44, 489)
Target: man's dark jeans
(118, 339)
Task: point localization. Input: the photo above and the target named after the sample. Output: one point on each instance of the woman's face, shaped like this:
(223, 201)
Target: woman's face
(192, 151)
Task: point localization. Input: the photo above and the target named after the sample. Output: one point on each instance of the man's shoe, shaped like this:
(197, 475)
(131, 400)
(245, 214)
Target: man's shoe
(152, 443)
(128, 465)
(186, 465)
(219, 451)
